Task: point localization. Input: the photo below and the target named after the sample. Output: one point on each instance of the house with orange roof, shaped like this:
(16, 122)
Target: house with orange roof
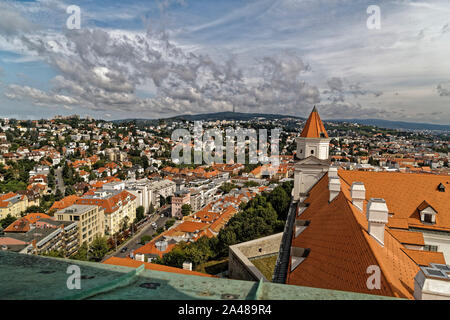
(156, 248)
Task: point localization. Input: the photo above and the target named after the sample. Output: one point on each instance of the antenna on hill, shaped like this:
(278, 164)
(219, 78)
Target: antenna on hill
(234, 110)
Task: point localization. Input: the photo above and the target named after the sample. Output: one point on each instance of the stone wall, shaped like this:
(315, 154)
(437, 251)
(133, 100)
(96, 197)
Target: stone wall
(239, 265)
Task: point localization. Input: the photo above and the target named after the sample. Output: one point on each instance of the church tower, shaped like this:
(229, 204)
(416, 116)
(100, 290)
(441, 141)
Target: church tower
(313, 147)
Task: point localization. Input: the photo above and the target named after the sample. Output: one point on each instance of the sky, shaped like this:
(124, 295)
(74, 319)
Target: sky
(160, 58)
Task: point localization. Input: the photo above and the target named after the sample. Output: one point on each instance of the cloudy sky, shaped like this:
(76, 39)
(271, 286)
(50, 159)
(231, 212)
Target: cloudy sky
(159, 58)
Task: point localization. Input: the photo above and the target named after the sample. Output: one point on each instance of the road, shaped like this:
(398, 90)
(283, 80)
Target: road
(60, 180)
(134, 243)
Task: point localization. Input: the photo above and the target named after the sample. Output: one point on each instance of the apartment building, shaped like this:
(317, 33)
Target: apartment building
(118, 204)
(142, 190)
(90, 219)
(41, 236)
(13, 204)
(164, 188)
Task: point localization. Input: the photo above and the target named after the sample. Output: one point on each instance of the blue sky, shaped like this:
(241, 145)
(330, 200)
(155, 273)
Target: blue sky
(159, 58)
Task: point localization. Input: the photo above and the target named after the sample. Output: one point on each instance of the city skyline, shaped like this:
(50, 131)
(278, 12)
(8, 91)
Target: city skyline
(166, 58)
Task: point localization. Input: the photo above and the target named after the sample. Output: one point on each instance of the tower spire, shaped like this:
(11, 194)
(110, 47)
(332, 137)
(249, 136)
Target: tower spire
(314, 127)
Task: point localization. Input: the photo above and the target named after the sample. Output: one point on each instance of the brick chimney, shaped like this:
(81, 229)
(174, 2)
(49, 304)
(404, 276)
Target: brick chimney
(358, 194)
(334, 185)
(377, 217)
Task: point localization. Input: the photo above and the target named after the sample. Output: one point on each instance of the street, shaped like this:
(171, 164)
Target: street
(134, 242)
(60, 180)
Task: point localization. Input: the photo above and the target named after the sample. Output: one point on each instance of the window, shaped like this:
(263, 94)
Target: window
(312, 151)
(430, 248)
(427, 218)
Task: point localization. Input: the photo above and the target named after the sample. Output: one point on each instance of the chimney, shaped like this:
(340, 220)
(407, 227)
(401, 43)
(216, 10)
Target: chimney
(432, 283)
(332, 172)
(358, 194)
(187, 265)
(334, 184)
(377, 217)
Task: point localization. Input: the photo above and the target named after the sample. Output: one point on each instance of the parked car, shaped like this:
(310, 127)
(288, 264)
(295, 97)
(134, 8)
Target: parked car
(162, 215)
(124, 250)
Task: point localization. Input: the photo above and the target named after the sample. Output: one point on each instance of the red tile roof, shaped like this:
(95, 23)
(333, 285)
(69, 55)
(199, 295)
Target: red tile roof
(341, 249)
(127, 262)
(64, 202)
(314, 126)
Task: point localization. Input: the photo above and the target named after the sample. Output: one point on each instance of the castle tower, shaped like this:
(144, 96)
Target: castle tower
(313, 147)
(314, 140)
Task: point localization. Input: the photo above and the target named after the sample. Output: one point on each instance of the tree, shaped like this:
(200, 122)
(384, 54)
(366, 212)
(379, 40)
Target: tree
(186, 209)
(82, 253)
(250, 184)
(140, 213)
(7, 221)
(145, 239)
(125, 223)
(69, 191)
(280, 201)
(34, 209)
(54, 253)
(169, 223)
(227, 187)
(58, 195)
(98, 248)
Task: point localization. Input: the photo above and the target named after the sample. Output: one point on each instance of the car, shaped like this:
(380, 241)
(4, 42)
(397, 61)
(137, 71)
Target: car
(162, 215)
(124, 250)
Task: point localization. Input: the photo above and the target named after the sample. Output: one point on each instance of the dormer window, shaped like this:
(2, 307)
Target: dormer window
(427, 213)
(298, 255)
(441, 188)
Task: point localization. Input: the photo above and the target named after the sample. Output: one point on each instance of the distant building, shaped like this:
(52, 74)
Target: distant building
(13, 204)
(179, 199)
(143, 192)
(118, 204)
(42, 236)
(90, 219)
(164, 188)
